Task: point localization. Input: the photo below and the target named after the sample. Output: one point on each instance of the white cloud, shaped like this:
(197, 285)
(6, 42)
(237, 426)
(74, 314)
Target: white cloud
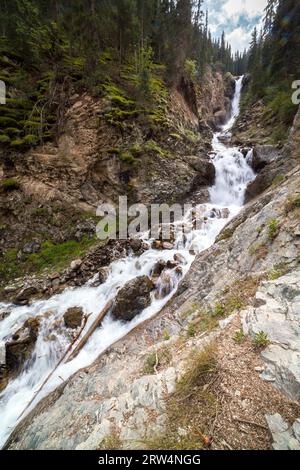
(239, 39)
(251, 7)
(237, 18)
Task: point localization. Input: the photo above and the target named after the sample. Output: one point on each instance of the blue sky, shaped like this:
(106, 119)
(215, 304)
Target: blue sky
(236, 17)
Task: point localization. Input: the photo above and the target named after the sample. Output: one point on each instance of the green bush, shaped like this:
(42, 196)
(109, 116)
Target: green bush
(261, 340)
(10, 185)
(273, 228)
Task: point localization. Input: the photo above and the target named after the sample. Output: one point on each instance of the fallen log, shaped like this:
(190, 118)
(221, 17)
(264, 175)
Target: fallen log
(90, 331)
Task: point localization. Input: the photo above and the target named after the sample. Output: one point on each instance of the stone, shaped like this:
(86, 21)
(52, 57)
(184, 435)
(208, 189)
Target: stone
(132, 299)
(136, 245)
(158, 268)
(275, 313)
(20, 348)
(73, 317)
(24, 296)
(205, 169)
(103, 274)
(167, 246)
(164, 286)
(31, 247)
(4, 314)
(285, 438)
(76, 265)
(180, 258)
(263, 155)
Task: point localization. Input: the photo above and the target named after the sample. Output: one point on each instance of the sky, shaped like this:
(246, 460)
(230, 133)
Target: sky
(237, 18)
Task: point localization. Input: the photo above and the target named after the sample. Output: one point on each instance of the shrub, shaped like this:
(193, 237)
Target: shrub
(261, 340)
(127, 157)
(10, 185)
(239, 337)
(150, 363)
(4, 139)
(293, 203)
(273, 228)
(191, 330)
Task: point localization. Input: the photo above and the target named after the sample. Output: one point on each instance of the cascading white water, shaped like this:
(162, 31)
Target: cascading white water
(232, 176)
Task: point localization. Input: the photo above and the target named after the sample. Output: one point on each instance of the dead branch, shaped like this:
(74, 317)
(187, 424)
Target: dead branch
(91, 330)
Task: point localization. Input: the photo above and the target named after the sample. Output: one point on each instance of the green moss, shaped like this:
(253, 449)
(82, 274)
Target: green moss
(4, 139)
(154, 148)
(7, 121)
(127, 157)
(17, 142)
(31, 139)
(226, 234)
(273, 228)
(10, 185)
(293, 203)
(278, 179)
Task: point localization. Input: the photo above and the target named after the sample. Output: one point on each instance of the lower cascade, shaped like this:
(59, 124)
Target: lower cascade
(233, 174)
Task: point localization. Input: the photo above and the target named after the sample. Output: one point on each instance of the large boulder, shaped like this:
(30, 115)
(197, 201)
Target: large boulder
(205, 169)
(263, 155)
(73, 317)
(133, 298)
(25, 295)
(20, 348)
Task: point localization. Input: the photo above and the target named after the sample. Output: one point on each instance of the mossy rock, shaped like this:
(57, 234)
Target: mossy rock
(4, 139)
(7, 121)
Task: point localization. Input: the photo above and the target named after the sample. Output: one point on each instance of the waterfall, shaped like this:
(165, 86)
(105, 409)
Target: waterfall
(232, 176)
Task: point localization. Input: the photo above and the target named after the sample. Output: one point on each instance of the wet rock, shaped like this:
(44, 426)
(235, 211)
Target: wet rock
(103, 275)
(167, 246)
(225, 213)
(25, 295)
(136, 245)
(19, 350)
(164, 286)
(157, 245)
(158, 268)
(3, 377)
(263, 155)
(132, 298)
(206, 171)
(73, 317)
(4, 314)
(180, 258)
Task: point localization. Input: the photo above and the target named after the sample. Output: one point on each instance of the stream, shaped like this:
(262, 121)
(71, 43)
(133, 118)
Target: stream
(232, 177)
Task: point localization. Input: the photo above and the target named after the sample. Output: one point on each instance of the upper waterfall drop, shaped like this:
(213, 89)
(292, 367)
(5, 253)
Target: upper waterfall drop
(233, 172)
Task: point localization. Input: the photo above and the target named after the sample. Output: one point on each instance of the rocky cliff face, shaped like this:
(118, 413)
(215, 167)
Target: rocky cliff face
(242, 296)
